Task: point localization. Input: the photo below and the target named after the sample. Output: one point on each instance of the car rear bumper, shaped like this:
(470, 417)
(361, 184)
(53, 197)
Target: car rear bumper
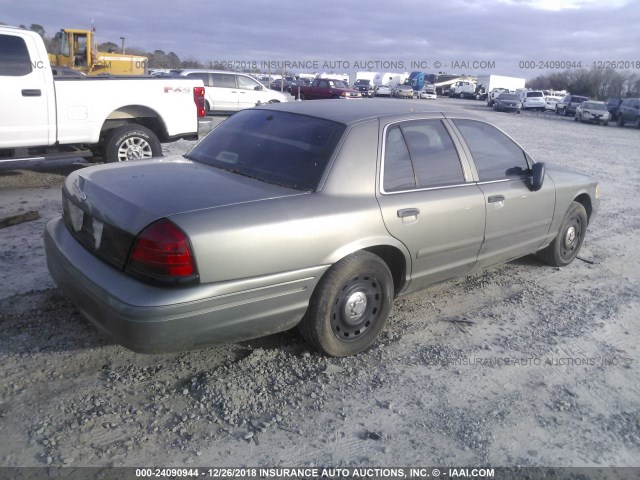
(150, 319)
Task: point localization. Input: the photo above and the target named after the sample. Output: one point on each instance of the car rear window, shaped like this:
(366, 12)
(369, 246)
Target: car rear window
(535, 94)
(275, 147)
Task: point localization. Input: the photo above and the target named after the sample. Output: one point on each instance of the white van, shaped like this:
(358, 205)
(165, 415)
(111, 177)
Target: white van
(231, 91)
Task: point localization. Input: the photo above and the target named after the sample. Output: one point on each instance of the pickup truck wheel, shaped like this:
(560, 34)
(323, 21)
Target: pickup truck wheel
(565, 247)
(350, 305)
(131, 142)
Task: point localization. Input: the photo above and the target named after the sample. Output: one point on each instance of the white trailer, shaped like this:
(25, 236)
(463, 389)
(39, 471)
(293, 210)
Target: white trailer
(488, 83)
(367, 76)
(389, 78)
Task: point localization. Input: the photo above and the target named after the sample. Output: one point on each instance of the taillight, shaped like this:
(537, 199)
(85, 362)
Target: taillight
(198, 97)
(162, 252)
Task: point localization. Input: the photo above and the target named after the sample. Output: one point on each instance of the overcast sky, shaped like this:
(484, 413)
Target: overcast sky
(457, 33)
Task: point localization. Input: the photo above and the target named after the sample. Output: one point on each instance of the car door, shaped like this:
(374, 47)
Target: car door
(27, 98)
(250, 92)
(517, 218)
(429, 201)
(224, 92)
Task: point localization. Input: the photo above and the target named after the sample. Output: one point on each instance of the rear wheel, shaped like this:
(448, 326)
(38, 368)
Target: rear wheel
(131, 142)
(620, 121)
(350, 305)
(566, 246)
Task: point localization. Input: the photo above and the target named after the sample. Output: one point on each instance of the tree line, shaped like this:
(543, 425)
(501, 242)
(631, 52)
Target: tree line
(595, 83)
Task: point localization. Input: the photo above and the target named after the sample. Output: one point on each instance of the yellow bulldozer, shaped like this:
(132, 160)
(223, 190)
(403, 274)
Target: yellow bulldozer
(79, 51)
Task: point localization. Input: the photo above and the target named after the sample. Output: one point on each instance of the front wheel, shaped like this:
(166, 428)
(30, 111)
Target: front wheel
(565, 247)
(131, 142)
(350, 305)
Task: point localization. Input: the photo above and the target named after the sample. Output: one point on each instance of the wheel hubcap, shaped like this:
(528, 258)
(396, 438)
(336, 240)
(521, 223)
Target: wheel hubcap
(570, 237)
(357, 307)
(354, 307)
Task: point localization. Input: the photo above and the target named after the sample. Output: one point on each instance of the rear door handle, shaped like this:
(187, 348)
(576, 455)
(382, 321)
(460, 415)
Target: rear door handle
(496, 198)
(408, 212)
(34, 92)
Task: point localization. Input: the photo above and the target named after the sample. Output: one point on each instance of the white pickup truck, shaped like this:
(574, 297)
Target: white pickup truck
(117, 118)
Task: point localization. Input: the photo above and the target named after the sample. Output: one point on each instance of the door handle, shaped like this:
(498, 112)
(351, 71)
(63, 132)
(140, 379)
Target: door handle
(34, 92)
(496, 198)
(408, 212)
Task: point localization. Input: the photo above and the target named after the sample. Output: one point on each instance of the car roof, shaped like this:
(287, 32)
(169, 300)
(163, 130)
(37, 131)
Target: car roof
(352, 111)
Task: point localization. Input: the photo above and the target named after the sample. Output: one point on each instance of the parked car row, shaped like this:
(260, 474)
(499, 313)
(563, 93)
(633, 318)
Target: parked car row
(583, 109)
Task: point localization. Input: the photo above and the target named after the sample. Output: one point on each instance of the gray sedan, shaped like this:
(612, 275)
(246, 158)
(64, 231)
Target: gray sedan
(315, 214)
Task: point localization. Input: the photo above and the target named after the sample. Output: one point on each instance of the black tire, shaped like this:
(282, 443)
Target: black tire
(207, 107)
(620, 121)
(566, 246)
(302, 96)
(361, 283)
(131, 142)
(335, 97)
(637, 123)
(605, 123)
(557, 110)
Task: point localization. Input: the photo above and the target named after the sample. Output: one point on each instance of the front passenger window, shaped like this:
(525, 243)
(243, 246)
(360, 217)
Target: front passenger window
(496, 156)
(247, 83)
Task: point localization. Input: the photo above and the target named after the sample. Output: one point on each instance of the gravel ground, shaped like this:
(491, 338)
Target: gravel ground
(520, 365)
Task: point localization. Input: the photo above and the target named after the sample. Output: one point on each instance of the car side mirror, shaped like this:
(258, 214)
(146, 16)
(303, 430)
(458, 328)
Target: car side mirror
(537, 176)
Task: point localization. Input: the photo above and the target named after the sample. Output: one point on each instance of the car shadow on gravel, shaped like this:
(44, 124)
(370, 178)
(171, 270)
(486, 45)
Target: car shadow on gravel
(47, 321)
(44, 321)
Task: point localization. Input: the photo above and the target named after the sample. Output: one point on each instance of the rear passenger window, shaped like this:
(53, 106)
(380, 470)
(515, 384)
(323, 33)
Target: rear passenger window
(420, 154)
(398, 170)
(496, 156)
(14, 57)
(223, 80)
